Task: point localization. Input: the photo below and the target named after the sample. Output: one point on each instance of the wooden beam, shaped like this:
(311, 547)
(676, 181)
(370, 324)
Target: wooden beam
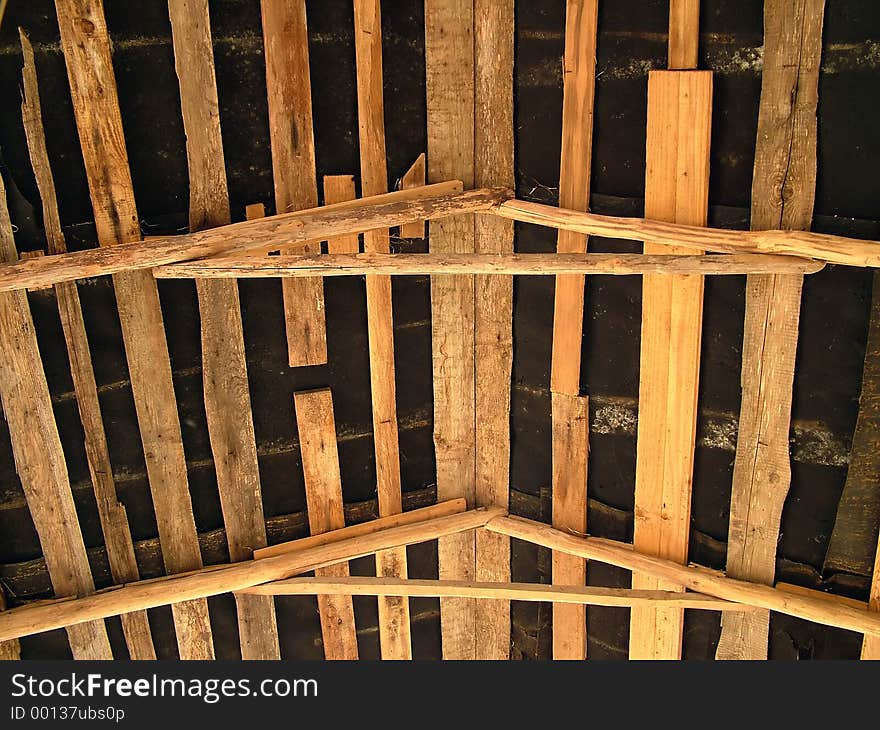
(111, 512)
(394, 624)
(413, 178)
(261, 235)
(701, 580)
(489, 266)
(575, 595)
(86, 45)
(49, 615)
(340, 189)
(320, 460)
(684, 34)
(449, 66)
(783, 193)
(292, 137)
(39, 458)
(443, 509)
(676, 189)
(832, 249)
(493, 309)
(570, 448)
(224, 365)
(9, 650)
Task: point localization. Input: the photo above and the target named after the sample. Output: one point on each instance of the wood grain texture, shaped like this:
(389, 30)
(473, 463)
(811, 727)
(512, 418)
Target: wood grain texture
(394, 623)
(211, 581)
(810, 607)
(224, 366)
(449, 59)
(783, 194)
(340, 189)
(320, 459)
(414, 177)
(579, 86)
(493, 309)
(292, 137)
(676, 189)
(684, 34)
(39, 458)
(570, 446)
(9, 650)
(111, 512)
(86, 45)
(494, 269)
(853, 545)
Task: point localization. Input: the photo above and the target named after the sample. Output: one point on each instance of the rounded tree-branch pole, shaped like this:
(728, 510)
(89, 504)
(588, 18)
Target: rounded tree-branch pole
(832, 249)
(530, 264)
(695, 578)
(223, 579)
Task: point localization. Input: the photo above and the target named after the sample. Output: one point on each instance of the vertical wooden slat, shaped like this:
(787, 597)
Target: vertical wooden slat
(320, 460)
(224, 367)
(39, 458)
(684, 33)
(493, 319)
(394, 626)
(676, 190)
(449, 57)
(567, 406)
(413, 178)
(340, 189)
(112, 514)
(86, 47)
(783, 194)
(289, 89)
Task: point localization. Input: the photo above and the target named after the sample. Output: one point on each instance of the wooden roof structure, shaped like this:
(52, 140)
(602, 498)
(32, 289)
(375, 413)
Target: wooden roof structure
(460, 194)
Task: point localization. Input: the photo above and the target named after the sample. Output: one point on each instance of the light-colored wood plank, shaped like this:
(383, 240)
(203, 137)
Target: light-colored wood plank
(292, 136)
(394, 624)
(676, 189)
(493, 305)
(320, 460)
(450, 507)
(695, 578)
(490, 267)
(449, 60)
(783, 193)
(490, 591)
(570, 448)
(9, 650)
(433, 201)
(820, 246)
(86, 45)
(413, 178)
(579, 84)
(39, 458)
(340, 189)
(49, 615)
(224, 366)
(112, 514)
(684, 34)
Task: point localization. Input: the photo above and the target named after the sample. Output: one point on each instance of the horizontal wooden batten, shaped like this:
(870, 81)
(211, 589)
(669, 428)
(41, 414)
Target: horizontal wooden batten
(702, 580)
(579, 595)
(265, 234)
(832, 249)
(532, 264)
(215, 580)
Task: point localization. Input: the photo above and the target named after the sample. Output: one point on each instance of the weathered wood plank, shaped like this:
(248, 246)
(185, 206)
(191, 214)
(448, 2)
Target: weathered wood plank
(676, 189)
(340, 189)
(783, 193)
(292, 137)
(320, 459)
(449, 59)
(570, 448)
(493, 309)
(48, 615)
(413, 178)
(86, 45)
(684, 34)
(39, 458)
(224, 366)
(9, 650)
(111, 512)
